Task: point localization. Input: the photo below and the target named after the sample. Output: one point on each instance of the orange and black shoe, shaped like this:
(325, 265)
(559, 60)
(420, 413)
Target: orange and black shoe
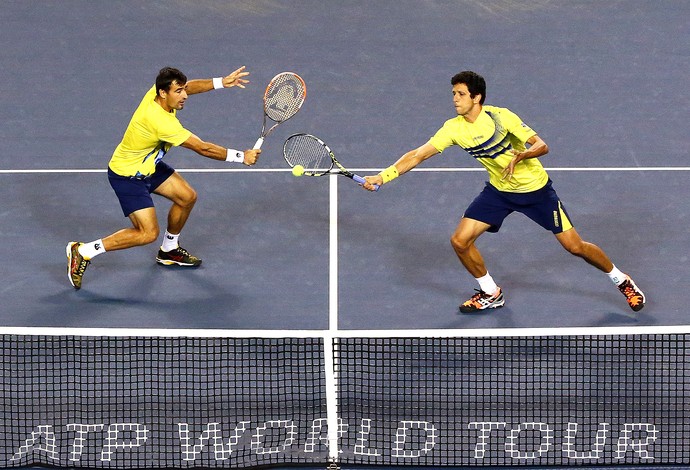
(178, 256)
(632, 293)
(482, 301)
(76, 264)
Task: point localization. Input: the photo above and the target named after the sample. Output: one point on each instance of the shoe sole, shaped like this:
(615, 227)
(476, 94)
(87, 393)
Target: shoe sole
(496, 305)
(167, 262)
(68, 252)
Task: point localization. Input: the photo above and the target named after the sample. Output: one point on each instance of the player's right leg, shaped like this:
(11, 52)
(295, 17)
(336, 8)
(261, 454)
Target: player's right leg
(76, 264)
(486, 213)
(134, 194)
(144, 230)
(463, 240)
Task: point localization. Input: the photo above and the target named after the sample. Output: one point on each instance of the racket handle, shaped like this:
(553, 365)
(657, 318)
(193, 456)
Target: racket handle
(361, 180)
(258, 143)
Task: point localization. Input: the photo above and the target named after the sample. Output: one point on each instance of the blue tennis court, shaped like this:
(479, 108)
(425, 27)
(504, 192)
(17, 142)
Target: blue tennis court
(590, 84)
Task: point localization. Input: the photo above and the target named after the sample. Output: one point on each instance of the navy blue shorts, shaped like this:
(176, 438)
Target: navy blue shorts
(133, 192)
(542, 206)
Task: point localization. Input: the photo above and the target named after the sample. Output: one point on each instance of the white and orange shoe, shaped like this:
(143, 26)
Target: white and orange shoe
(482, 301)
(632, 293)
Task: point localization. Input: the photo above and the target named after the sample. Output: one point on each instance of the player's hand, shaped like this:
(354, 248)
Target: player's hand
(507, 173)
(371, 181)
(251, 156)
(236, 78)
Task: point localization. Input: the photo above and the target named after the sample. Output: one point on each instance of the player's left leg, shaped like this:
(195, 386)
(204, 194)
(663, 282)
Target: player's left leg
(575, 245)
(547, 210)
(591, 253)
(183, 197)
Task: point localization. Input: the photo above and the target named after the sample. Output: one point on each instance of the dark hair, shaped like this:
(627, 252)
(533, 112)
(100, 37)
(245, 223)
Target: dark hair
(167, 76)
(475, 83)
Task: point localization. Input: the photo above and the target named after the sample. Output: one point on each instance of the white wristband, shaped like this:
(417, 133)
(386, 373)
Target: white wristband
(234, 156)
(218, 83)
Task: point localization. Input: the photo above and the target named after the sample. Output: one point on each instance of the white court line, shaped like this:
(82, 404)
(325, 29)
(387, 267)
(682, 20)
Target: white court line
(363, 170)
(333, 255)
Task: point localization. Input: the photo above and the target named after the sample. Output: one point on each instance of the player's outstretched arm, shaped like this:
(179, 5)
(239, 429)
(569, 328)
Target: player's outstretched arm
(217, 152)
(202, 85)
(404, 164)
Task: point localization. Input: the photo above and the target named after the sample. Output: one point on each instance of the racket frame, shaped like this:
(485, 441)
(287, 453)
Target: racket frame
(341, 170)
(264, 132)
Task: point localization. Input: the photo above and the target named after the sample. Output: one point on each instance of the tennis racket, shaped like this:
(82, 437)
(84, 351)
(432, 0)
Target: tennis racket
(315, 157)
(283, 97)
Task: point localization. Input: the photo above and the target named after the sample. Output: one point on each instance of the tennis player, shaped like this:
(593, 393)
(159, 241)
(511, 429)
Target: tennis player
(137, 170)
(509, 150)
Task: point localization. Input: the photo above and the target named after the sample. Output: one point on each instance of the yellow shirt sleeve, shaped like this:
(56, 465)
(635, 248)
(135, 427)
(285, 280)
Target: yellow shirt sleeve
(518, 130)
(444, 136)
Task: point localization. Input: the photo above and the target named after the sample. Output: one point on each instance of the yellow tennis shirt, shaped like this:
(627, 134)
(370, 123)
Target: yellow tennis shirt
(149, 135)
(489, 139)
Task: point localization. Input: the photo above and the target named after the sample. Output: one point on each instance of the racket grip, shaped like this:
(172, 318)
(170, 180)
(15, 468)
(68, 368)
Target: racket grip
(258, 143)
(361, 180)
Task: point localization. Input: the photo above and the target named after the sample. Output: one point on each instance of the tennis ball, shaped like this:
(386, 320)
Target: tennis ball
(298, 170)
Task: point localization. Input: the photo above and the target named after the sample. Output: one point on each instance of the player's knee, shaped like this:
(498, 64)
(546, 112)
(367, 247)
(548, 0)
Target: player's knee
(576, 249)
(189, 198)
(459, 244)
(149, 236)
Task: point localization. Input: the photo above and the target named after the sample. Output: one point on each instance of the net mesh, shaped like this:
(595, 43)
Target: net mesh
(157, 402)
(186, 402)
(515, 401)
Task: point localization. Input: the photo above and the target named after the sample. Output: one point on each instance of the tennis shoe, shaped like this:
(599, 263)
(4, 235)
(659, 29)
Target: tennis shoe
(178, 256)
(482, 301)
(632, 293)
(76, 264)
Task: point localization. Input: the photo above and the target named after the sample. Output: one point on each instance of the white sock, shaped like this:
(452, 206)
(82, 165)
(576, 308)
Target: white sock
(487, 284)
(170, 241)
(617, 276)
(92, 249)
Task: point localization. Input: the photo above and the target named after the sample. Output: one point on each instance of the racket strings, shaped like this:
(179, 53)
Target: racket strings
(284, 97)
(308, 152)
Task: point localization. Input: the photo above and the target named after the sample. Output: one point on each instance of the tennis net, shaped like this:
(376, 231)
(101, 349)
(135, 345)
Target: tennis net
(241, 399)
